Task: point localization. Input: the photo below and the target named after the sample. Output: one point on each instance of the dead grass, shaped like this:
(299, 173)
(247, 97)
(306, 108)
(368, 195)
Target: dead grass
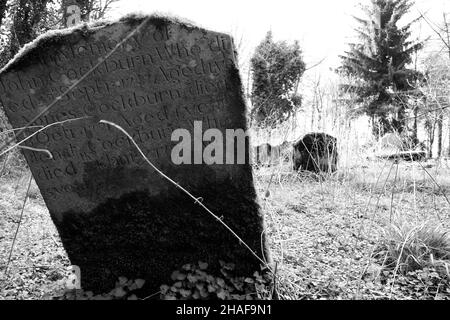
(326, 233)
(408, 247)
(38, 260)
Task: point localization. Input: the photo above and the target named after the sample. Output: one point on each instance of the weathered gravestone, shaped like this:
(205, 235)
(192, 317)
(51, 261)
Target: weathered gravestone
(116, 216)
(315, 152)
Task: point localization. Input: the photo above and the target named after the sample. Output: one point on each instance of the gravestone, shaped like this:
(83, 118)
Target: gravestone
(263, 154)
(315, 152)
(115, 214)
(391, 142)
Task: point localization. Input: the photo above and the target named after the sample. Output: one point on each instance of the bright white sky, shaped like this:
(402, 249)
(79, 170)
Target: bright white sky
(323, 27)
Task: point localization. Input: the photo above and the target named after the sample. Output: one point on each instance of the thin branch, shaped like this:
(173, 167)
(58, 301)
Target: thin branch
(46, 151)
(17, 129)
(18, 226)
(84, 76)
(34, 133)
(316, 64)
(434, 30)
(196, 200)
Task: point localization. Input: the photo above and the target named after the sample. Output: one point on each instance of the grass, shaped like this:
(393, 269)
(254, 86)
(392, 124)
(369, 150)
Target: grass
(327, 233)
(376, 230)
(408, 247)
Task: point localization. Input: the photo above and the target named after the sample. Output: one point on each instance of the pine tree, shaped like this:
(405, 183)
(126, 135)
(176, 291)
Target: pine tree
(276, 69)
(379, 63)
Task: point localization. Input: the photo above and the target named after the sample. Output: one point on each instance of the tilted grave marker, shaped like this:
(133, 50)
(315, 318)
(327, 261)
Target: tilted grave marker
(115, 214)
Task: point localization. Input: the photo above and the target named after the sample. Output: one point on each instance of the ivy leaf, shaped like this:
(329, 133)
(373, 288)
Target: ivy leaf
(229, 266)
(122, 281)
(200, 286)
(187, 267)
(196, 295)
(177, 275)
(192, 278)
(119, 292)
(221, 282)
(133, 287)
(211, 288)
(249, 280)
(204, 294)
(201, 273)
(185, 293)
(164, 288)
(139, 283)
(222, 294)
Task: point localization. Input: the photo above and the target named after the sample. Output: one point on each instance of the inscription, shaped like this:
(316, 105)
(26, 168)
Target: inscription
(154, 83)
(115, 104)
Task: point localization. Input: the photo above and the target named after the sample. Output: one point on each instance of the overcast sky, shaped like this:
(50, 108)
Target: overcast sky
(323, 27)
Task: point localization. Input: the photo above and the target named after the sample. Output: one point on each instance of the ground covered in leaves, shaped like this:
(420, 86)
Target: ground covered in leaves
(331, 237)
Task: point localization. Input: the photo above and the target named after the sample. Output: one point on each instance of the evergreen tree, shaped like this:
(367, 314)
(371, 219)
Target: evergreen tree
(276, 70)
(21, 21)
(379, 63)
(30, 19)
(3, 7)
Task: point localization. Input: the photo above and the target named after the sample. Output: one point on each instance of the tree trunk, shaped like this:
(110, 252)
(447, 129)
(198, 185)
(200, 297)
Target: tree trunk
(319, 119)
(439, 132)
(414, 131)
(431, 132)
(430, 145)
(378, 126)
(448, 151)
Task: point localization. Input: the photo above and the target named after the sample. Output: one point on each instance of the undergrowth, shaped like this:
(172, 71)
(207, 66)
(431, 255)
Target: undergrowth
(194, 282)
(191, 282)
(407, 247)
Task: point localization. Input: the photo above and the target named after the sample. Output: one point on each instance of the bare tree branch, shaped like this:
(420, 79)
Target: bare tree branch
(446, 43)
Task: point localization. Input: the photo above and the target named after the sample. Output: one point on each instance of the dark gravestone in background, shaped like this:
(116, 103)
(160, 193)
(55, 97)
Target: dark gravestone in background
(315, 152)
(116, 216)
